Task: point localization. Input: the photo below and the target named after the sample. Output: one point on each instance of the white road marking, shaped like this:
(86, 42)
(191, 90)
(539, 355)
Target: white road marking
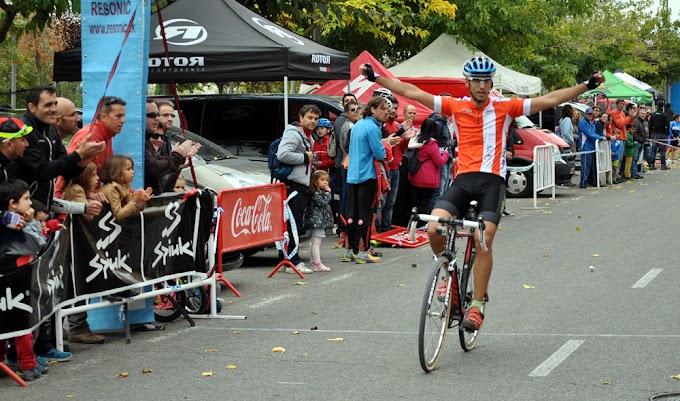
(164, 337)
(271, 300)
(647, 278)
(555, 359)
(290, 295)
(411, 333)
(338, 278)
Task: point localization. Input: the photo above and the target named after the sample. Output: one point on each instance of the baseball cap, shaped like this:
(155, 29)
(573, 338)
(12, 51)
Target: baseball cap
(589, 111)
(12, 127)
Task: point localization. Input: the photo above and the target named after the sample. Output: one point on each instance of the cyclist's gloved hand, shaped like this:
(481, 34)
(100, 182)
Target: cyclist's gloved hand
(370, 74)
(593, 82)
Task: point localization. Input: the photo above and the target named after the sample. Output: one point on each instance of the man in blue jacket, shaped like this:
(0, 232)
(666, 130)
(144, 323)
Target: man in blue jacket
(586, 138)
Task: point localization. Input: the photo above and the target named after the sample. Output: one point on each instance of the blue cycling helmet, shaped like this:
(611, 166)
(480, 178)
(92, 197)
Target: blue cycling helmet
(477, 67)
(324, 122)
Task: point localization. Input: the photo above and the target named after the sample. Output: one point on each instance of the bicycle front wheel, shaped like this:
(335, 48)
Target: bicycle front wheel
(434, 315)
(468, 339)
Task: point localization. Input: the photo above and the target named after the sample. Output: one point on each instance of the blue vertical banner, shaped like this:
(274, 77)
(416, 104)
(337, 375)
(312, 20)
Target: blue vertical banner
(105, 36)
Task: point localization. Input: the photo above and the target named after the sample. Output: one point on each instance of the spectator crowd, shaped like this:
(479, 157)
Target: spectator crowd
(40, 177)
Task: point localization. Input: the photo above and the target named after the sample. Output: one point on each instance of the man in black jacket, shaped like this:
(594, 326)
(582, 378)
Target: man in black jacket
(658, 131)
(45, 159)
(156, 165)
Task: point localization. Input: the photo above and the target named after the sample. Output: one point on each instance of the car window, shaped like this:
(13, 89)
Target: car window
(209, 151)
(523, 122)
(242, 127)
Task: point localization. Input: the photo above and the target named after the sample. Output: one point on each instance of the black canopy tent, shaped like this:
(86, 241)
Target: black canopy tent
(222, 41)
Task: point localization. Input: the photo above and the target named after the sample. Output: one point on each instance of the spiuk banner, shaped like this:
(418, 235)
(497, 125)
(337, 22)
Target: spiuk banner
(89, 258)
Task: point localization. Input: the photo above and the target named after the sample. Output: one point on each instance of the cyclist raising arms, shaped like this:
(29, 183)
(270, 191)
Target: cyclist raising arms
(480, 123)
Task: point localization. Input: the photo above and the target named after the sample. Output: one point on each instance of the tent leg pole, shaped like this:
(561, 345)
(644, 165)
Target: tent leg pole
(285, 100)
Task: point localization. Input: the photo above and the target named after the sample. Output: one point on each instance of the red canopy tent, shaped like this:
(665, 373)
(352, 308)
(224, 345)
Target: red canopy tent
(363, 88)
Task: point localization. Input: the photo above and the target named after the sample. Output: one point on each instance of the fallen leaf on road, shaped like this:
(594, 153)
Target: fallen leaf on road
(337, 246)
(237, 332)
(596, 254)
(123, 375)
(206, 374)
(500, 228)
(295, 332)
(278, 349)
(300, 283)
(304, 354)
(314, 328)
(545, 255)
(527, 286)
(414, 265)
(147, 371)
(211, 350)
(634, 190)
(230, 367)
(401, 285)
(578, 217)
(677, 377)
(568, 213)
(578, 228)
(70, 396)
(607, 382)
(337, 339)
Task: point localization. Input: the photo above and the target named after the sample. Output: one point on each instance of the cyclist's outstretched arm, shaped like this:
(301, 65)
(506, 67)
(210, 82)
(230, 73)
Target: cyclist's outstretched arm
(404, 89)
(554, 98)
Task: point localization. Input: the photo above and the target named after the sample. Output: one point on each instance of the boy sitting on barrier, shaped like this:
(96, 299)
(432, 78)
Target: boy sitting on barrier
(20, 235)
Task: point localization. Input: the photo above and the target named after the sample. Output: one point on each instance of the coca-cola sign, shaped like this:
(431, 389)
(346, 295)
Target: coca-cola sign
(252, 216)
(252, 219)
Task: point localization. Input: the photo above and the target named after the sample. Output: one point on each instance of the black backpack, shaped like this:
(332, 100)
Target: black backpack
(410, 160)
(279, 171)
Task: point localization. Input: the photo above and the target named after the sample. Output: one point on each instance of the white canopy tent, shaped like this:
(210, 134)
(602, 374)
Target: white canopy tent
(636, 82)
(444, 58)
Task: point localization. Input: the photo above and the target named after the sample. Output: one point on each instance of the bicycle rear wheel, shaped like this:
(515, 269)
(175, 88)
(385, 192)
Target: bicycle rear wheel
(468, 339)
(163, 310)
(434, 315)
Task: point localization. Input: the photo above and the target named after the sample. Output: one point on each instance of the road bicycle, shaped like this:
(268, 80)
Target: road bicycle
(450, 287)
(194, 300)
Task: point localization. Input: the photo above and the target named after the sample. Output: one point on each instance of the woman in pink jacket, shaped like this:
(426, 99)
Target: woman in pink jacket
(431, 159)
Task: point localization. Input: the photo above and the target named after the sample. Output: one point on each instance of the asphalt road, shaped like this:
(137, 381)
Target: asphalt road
(554, 330)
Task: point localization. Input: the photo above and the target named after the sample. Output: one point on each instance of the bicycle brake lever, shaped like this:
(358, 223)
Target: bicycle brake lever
(412, 224)
(482, 242)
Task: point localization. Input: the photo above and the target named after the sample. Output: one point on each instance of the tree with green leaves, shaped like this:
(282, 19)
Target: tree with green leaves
(38, 13)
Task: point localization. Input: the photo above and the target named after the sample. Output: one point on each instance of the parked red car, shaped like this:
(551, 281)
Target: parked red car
(525, 138)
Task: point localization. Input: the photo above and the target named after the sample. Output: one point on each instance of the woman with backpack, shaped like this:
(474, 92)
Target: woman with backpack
(426, 178)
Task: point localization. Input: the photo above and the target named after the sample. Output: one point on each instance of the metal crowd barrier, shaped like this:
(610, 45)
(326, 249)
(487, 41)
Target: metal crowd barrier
(544, 170)
(603, 160)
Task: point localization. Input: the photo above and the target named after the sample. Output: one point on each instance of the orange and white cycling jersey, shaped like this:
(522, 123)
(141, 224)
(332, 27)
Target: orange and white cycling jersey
(481, 133)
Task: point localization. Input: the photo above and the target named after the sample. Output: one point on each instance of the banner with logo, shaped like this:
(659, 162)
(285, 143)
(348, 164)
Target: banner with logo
(90, 258)
(28, 293)
(251, 216)
(115, 51)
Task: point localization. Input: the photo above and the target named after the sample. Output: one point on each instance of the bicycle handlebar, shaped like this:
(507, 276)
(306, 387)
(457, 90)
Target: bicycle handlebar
(479, 224)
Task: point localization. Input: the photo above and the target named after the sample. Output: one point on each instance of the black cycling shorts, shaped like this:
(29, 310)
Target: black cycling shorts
(487, 189)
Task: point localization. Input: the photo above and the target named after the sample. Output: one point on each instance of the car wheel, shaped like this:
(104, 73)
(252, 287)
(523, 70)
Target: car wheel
(520, 184)
(231, 261)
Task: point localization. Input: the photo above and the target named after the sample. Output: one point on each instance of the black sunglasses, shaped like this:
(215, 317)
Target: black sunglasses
(114, 100)
(353, 110)
(157, 136)
(153, 115)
